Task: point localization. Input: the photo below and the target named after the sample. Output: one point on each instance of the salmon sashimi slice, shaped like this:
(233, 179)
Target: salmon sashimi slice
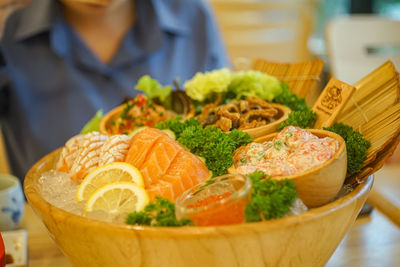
(159, 160)
(141, 145)
(114, 149)
(185, 171)
(69, 153)
(167, 168)
(190, 168)
(88, 158)
(163, 189)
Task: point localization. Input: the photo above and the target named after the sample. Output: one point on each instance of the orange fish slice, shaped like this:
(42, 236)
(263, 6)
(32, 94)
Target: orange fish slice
(141, 145)
(159, 159)
(167, 168)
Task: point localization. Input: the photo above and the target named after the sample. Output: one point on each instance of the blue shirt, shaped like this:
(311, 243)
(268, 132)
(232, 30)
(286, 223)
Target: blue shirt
(56, 84)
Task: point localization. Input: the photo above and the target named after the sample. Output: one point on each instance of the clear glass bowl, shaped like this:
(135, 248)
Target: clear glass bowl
(218, 201)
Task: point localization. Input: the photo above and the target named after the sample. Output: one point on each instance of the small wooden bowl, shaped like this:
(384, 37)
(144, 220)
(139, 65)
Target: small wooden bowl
(283, 114)
(180, 105)
(280, 242)
(105, 122)
(320, 184)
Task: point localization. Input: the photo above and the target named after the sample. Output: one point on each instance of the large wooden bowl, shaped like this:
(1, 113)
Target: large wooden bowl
(320, 184)
(283, 114)
(308, 239)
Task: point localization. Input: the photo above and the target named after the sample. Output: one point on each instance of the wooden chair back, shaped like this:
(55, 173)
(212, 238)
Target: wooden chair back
(358, 44)
(273, 30)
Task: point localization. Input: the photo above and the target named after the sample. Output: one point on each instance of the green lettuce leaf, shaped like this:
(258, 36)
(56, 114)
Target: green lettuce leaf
(152, 88)
(254, 83)
(93, 124)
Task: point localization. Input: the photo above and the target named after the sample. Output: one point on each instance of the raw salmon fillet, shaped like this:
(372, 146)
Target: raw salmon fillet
(167, 168)
(141, 144)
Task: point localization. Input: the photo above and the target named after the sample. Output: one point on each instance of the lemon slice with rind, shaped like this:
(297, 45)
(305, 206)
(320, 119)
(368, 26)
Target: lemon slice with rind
(118, 198)
(106, 174)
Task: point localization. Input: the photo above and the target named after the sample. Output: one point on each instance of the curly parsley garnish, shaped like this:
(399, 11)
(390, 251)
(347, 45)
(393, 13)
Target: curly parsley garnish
(356, 146)
(160, 213)
(270, 198)
(215, 146)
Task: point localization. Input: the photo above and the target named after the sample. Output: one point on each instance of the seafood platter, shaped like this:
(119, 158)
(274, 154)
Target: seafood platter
(237, 169)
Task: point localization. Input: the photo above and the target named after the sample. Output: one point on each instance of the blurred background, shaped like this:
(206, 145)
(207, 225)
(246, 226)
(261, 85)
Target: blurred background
(352, 37)
(299, 30)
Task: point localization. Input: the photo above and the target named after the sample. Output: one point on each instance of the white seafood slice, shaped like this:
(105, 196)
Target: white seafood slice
(114, 149)
(69, 153)
(88, 158)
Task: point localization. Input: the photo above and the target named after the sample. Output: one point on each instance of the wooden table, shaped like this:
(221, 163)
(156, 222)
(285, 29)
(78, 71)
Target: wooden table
(372, 241)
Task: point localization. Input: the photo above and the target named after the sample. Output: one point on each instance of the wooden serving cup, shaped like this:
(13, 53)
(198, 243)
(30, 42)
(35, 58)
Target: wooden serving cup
(112, 115)
(281, 116)
(180, 105)
(279, 242)
(320, 184)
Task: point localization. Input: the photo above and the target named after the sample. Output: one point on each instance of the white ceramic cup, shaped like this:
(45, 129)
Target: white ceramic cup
(12, 202)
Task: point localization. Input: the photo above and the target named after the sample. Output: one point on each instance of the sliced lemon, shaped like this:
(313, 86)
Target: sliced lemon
(109, 173)
(118, 198)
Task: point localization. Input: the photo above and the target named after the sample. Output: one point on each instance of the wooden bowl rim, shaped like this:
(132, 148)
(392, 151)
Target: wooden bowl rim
(38, 203)
(108, 116)
(318, 132)
(286, 111)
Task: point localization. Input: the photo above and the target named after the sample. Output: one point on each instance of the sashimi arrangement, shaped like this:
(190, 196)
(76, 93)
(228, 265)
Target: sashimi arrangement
(147, 164)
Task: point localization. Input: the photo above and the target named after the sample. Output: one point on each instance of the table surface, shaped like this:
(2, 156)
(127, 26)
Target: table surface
(372, 240)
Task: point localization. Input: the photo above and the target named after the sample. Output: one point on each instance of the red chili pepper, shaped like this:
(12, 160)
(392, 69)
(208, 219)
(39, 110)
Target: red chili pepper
(141, 100)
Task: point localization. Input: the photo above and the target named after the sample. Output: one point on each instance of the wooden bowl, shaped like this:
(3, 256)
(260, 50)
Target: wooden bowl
(308, 239)
(180, 104)
(320, 184)
(105, 122)
(283, 114)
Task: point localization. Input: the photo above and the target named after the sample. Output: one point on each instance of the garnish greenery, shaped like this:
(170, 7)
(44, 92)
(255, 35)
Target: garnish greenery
(254, 83)
(93, 124)
(301, 115)
(301, 118)
(205, 87)
(290, 99)
(270, 198)
(356, 145)
(160, 213)
(153, 89)
(210, 143)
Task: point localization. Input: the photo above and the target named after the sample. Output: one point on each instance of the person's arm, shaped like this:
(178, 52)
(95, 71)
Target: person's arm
(4, 86)
(219, 57)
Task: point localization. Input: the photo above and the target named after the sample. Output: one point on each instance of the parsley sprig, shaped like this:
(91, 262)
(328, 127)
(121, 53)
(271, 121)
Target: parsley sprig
(210, 143)
(301, 114)
(159, 213)
(356, 146)
(270, 198)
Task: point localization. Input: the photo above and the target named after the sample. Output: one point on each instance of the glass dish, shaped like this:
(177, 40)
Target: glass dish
(218, 201)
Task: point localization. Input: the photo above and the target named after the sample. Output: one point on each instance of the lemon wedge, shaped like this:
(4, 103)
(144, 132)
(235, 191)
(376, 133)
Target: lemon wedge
(118, 198)
(106, 174)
